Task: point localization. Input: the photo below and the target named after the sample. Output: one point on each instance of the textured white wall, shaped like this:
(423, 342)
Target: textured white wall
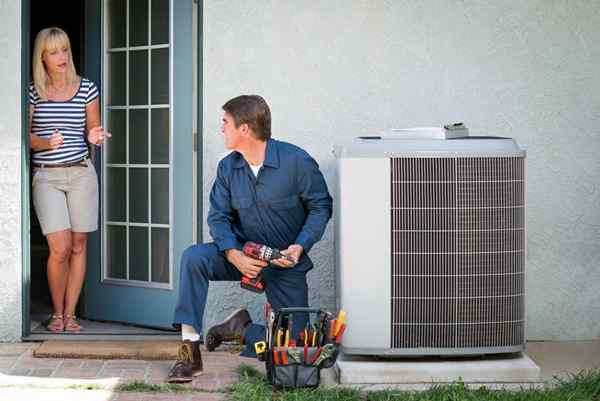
(332, 70)
(10, 171)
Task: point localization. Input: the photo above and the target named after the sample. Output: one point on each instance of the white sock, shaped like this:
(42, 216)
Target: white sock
(189, 333)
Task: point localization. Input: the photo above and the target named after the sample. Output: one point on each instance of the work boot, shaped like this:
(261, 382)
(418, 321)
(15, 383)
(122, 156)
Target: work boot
(188, 363)
(230, 329)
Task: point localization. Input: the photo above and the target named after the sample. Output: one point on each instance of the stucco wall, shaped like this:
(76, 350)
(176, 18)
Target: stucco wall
(10, 171)
(332, 70)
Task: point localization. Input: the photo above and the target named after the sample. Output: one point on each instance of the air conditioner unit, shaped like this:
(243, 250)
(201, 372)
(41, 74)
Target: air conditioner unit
(430, 243)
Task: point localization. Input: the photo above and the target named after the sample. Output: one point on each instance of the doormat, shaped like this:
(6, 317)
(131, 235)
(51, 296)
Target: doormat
(146, 350)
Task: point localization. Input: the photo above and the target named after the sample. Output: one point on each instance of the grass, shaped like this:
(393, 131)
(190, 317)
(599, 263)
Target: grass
(140, 386)
(253, 386)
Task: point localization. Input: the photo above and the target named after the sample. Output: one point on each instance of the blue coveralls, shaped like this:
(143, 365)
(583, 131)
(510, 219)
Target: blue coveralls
(287, 203)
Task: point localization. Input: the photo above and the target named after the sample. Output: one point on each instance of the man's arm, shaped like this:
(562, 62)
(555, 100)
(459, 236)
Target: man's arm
(220, 214)
(315, 198)
(220, 217)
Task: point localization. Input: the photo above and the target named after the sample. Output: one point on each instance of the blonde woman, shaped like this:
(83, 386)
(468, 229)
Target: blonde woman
(64, 112)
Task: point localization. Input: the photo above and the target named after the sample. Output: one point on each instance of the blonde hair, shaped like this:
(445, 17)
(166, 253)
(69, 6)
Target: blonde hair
(49, 39)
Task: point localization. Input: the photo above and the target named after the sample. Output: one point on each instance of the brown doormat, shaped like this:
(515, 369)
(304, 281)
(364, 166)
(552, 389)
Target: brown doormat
(147, 350)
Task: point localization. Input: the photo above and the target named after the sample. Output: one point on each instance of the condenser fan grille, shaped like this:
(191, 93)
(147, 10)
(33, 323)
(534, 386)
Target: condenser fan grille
(458, 239)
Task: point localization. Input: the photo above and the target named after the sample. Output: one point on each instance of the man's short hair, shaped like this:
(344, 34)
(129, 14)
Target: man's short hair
(251, 110)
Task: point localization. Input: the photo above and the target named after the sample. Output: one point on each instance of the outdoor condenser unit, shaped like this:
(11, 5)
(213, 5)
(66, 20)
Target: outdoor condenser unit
(430, 243)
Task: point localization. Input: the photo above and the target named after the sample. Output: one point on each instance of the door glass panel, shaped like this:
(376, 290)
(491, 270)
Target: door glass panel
(138, 77)
(136, 166)
(160, 22)
(160, 76)
(138, 22)
(160, 195)
(138, 195)
(117, 71)
(114, 149)
(138, 136)
(160, 255)
(116, 252)
(117, 12)
(116, 190)
(160, 136)
(138, 253)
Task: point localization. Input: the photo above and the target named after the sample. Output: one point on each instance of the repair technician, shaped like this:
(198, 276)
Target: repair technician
(266, 191)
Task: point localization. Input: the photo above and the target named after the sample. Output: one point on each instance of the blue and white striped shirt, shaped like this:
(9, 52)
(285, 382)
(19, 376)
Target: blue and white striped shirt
(68, 117)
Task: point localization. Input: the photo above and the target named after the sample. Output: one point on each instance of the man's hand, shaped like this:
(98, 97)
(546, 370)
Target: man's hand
(246, 265)
(294, 251)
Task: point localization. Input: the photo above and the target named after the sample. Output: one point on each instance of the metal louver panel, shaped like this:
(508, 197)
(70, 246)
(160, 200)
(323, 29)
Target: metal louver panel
(458, 239)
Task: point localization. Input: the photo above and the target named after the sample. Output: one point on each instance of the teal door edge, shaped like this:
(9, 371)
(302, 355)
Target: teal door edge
(199, 122)
(92, 69)
(25, 212)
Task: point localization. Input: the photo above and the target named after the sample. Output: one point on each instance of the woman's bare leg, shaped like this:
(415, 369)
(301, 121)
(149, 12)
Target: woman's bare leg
(58, 267)
(76, 272)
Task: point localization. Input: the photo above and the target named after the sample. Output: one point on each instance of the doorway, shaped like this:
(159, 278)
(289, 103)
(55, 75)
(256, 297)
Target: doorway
(90, 27)
(68, 17)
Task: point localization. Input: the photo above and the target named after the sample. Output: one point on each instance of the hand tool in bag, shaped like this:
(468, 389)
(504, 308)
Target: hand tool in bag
(326, 352)
(278, 337)
(315, 329)
(339, 334)
(269, 318)
(260, 252)
(331, 330)
(288, 331)
(284, 360)
(294, 354)
(341, 319)
(260, 348)
(323, 328)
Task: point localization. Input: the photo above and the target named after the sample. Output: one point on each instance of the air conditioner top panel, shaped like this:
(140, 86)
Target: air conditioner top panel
(426, 142)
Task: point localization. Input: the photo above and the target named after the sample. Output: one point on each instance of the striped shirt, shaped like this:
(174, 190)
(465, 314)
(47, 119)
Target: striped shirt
(68, 118)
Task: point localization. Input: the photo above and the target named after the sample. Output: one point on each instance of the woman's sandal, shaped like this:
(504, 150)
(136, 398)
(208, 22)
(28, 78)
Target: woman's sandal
(55, 324)
(71, 325)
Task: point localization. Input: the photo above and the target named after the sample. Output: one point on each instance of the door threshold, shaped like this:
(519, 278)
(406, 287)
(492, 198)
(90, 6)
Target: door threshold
(35, 337)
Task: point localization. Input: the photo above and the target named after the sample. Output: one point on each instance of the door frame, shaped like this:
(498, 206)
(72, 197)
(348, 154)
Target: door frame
(199, 134)
(25, 184)
(93, 70)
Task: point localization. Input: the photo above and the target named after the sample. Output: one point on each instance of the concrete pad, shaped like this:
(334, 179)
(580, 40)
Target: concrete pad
(518, 370)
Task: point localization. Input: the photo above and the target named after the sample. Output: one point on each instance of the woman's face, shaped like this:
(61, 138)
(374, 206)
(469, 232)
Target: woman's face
(56, 59)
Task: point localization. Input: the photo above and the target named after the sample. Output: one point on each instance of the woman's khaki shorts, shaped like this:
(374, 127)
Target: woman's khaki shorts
(66, 198)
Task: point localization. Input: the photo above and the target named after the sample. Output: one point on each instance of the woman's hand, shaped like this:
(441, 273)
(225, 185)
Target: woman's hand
(97, 135)
(56, 140)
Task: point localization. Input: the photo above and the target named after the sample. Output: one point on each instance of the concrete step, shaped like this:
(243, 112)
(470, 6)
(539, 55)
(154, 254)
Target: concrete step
(511, 371)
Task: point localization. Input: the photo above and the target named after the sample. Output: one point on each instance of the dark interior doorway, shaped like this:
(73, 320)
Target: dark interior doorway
(72, 18)
(68, 16)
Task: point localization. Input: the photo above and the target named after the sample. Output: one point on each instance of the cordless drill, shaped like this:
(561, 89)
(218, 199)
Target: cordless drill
(260, 252)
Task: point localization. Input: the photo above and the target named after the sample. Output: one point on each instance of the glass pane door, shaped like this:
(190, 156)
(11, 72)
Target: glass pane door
(137, 162)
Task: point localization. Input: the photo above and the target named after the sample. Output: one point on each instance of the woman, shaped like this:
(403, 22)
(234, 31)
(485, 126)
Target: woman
(63, 107)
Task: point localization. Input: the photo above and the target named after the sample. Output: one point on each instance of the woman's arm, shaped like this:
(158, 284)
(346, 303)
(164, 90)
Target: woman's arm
(96, 133)
(36, 143)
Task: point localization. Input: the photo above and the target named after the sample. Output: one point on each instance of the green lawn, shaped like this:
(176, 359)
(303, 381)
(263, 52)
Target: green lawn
(582, 387)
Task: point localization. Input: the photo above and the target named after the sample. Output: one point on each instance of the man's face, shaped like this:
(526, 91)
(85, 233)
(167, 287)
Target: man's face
(233, 136)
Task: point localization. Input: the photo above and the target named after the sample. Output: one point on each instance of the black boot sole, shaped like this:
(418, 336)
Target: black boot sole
(184, 379)
(212, 342)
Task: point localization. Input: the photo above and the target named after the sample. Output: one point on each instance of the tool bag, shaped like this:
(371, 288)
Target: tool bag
(297, 362)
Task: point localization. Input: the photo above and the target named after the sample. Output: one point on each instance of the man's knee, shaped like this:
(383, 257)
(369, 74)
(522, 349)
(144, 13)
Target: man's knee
(197, 257)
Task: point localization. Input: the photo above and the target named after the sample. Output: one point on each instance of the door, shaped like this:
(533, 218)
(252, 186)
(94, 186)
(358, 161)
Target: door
(146, 168)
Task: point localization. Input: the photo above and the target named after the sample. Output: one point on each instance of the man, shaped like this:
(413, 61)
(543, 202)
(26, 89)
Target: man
(266, 191)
